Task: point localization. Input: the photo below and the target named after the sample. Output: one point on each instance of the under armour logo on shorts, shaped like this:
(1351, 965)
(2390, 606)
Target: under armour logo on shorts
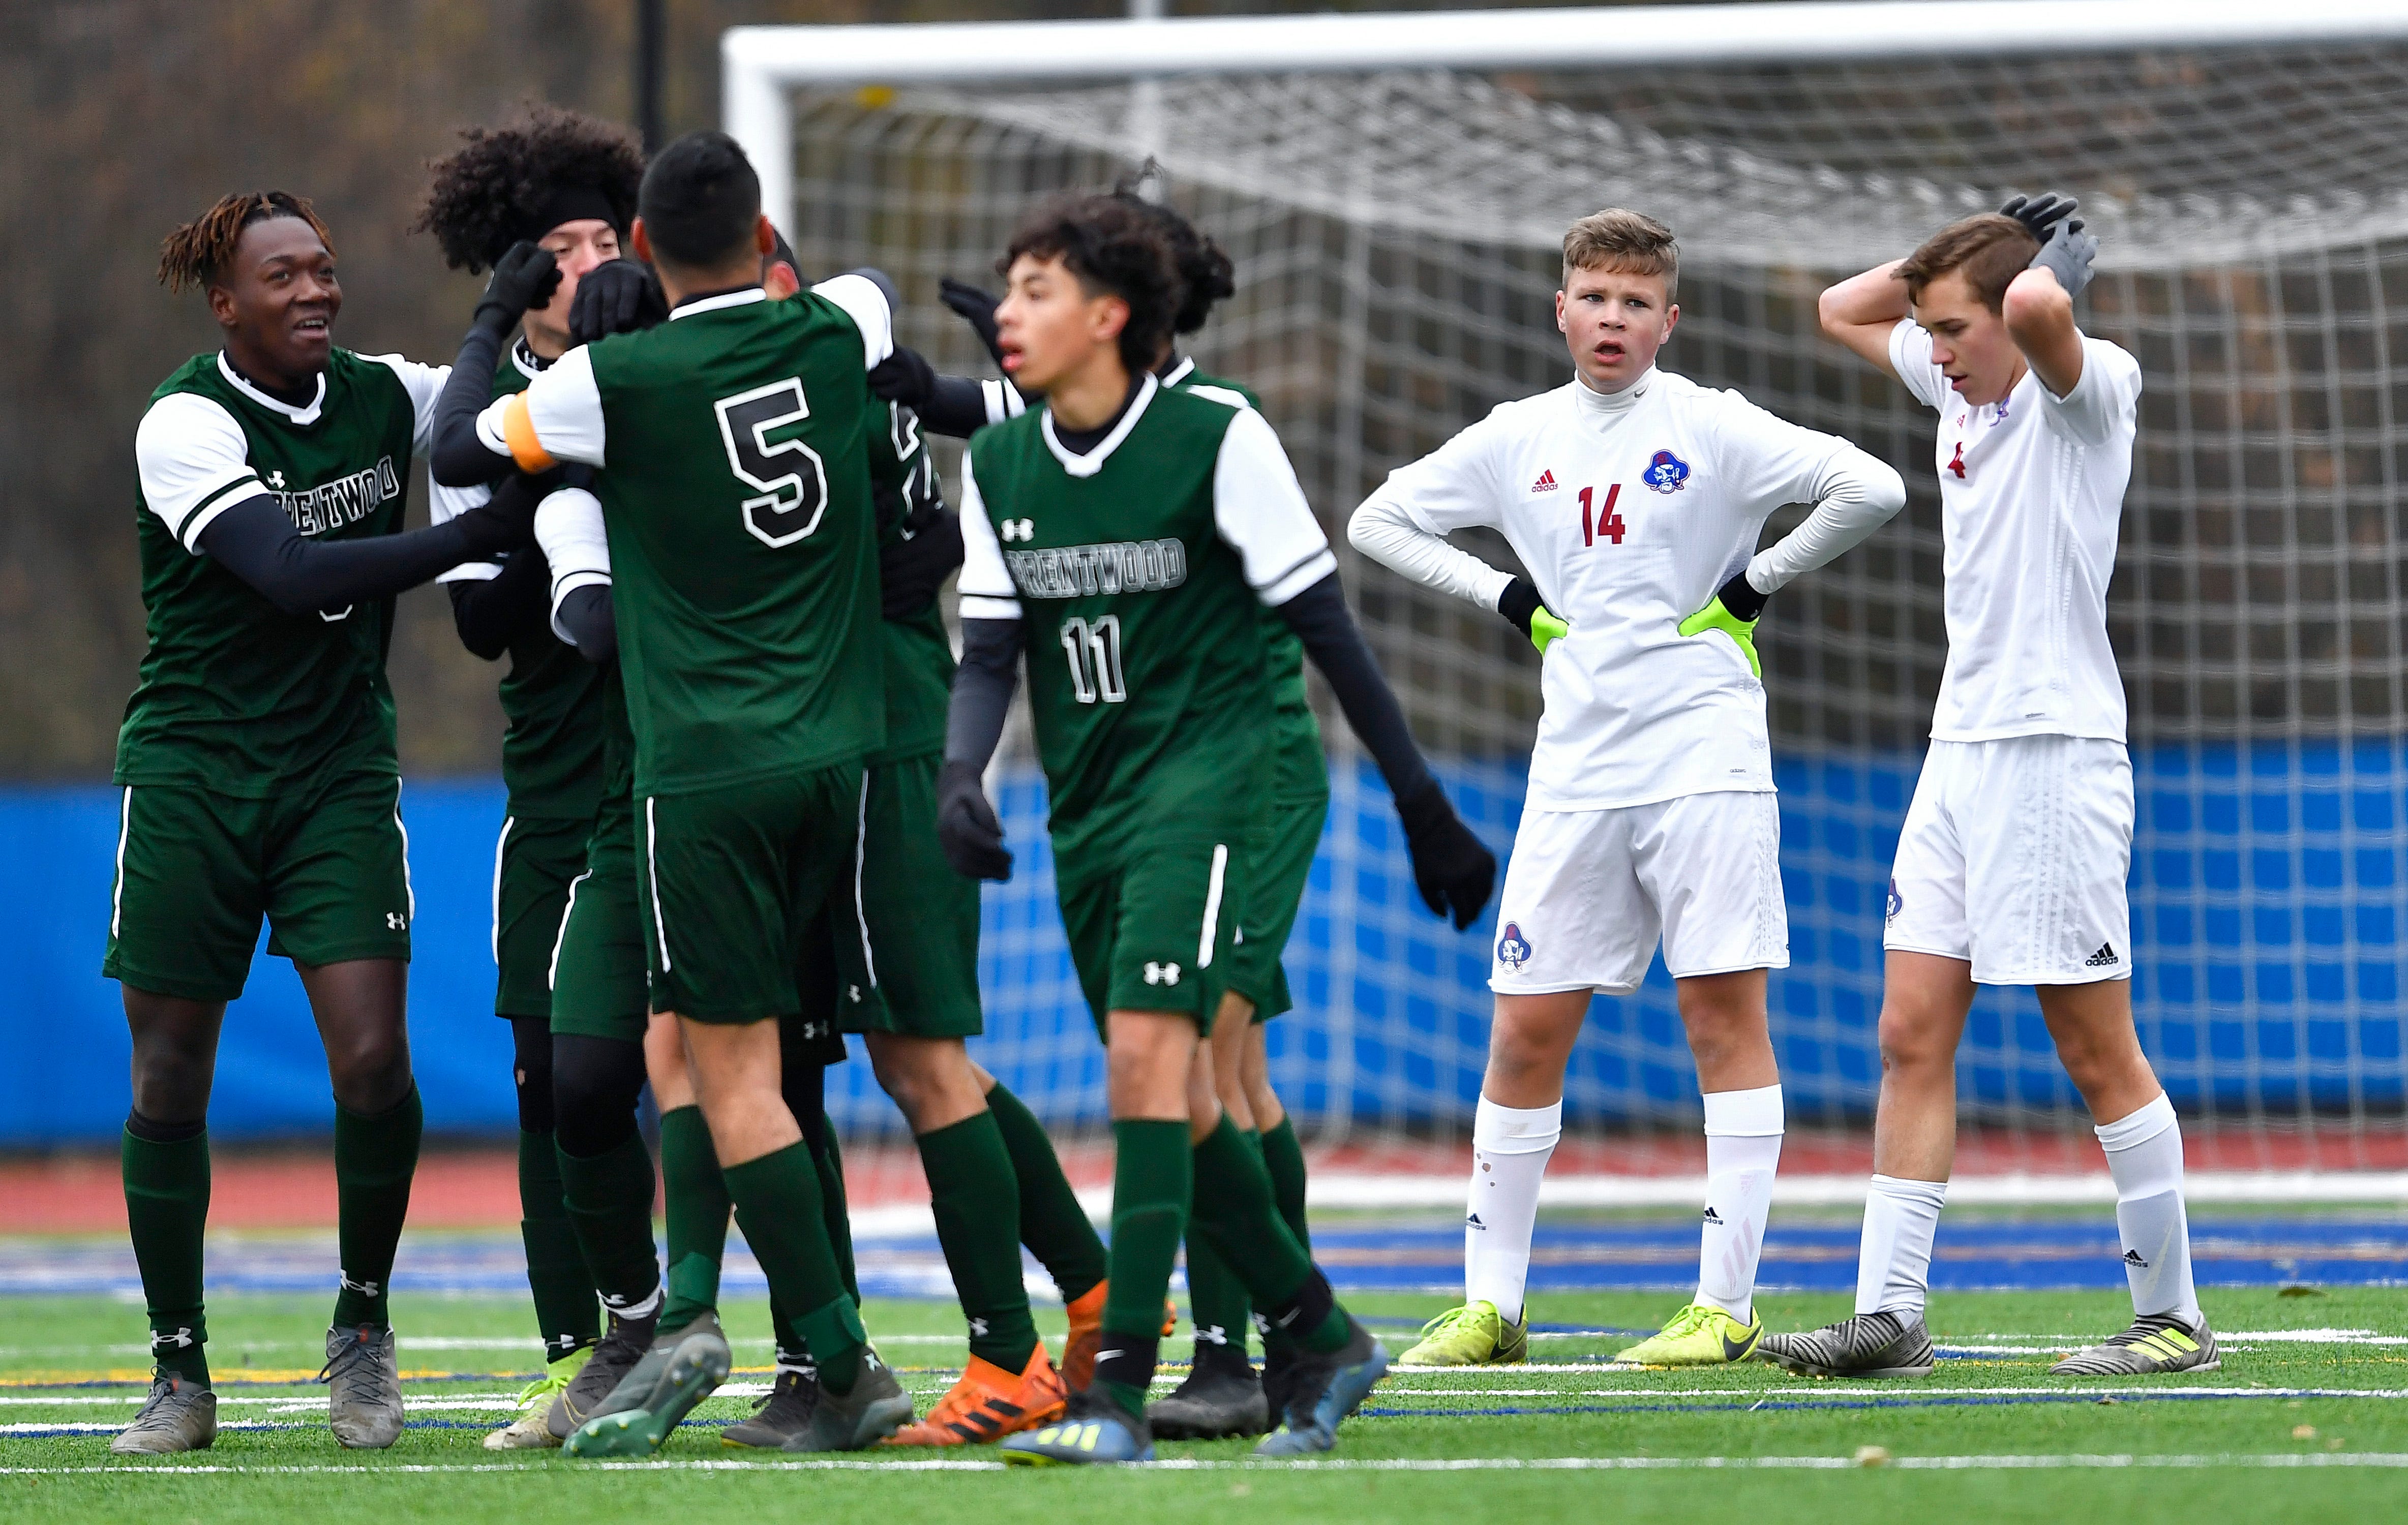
(1161, 974)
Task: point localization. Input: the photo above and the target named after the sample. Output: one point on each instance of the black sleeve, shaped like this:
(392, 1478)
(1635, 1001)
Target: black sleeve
(257, 543)
(592, 623)
(456, 457)
(494, 611)
(1320, 619)
(957, 408)
(982, 688)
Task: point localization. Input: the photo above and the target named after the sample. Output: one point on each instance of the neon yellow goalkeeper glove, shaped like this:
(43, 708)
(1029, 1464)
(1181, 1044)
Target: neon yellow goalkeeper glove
(1734, 610)
(1526, 612)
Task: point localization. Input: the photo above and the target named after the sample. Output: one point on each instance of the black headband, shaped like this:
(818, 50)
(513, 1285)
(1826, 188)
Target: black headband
(564, 203)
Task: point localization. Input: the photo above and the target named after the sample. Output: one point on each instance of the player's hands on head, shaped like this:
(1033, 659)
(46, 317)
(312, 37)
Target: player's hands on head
(913, 566)
(616, 296)
(1734, 610)
(905, 376)
(1526, 612)
(2040, 212)
(976, 307)
(523, 277)
(1454, 869)
(2067, 256)
(967, 825)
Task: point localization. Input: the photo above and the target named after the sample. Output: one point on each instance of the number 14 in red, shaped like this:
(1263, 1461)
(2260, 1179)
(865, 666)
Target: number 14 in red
(1607, 523)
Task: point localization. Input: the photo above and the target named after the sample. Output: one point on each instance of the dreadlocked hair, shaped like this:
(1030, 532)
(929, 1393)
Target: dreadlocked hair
(1203, 268)
(484, 192)
(192, 255)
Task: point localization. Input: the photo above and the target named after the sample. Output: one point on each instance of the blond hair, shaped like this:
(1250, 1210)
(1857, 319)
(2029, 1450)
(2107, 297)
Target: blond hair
(1618, 239)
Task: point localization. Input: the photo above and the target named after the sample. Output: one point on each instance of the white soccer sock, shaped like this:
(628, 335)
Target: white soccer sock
(1894, 1266)
(2144, 1154)
(1742, 1151)
(1510, 1147)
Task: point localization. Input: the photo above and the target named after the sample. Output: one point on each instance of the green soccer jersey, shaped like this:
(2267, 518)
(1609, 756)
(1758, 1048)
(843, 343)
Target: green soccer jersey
(1299, 769)
(235, 695)
(919, 653)
(1139, 570)
(737, 493)
(553, 707)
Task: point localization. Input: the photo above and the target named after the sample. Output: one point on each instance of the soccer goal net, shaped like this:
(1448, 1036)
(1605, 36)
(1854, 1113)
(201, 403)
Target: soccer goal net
(1394, 191)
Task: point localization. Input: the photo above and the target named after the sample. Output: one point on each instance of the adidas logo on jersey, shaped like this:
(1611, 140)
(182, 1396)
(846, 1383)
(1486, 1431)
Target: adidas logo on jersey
(2104, 958)
(1161, 974)
(1546, 482)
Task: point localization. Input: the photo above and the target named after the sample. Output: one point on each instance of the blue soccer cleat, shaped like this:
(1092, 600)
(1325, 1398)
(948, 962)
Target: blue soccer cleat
(1093, 1429)
(1327, 1389)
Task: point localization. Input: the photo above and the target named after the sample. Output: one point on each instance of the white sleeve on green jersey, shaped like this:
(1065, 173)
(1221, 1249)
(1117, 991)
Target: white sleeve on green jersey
(566, 407)
(1003, 401)
(568, 528)
(194, 463)
(986, 588)
(449, 503)
(424, 384)
(1258, 508)
(866, 304)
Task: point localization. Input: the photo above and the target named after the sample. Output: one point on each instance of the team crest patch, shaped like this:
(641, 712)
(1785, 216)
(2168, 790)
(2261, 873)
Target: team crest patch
(1512, 951)
(1665, 472)
(1895, 903)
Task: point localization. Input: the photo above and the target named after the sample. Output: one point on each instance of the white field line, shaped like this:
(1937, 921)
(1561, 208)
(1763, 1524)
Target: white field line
(2275, 1460)
(1333, 1189)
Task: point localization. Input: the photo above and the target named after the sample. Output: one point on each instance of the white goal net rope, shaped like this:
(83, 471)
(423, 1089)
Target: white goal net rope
(1396, 237)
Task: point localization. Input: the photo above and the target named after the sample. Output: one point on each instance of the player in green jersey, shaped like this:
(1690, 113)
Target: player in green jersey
(257, 760)
(754, 676)
(1147, 525)
(566, 181)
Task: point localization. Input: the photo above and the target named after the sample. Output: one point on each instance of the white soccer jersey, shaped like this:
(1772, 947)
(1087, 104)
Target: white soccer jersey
(2031, 492)
(1630, 511)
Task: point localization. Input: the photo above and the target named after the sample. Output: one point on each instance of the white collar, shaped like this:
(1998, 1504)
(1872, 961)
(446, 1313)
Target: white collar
(1093, 462)
(298, 415)
(1610, 406)
(1180, 372)
(724, 300)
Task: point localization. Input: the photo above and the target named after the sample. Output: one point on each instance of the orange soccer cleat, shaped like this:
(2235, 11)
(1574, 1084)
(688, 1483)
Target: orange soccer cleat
(1087, 1334)
(989, 1403)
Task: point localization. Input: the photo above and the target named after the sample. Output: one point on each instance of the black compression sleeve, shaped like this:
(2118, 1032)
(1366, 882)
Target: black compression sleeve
(957, 408)
(982, 685)
(456, 457)
(592, 623)
(492, 612)
(257, 543)
(1320, 619)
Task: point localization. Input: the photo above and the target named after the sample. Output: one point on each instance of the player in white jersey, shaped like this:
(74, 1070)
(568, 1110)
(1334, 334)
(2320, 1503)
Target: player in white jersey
(2011, 865)
(1632, 496)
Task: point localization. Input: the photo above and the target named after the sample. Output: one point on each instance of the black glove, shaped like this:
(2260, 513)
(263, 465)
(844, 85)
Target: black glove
(913, 566)
(1455, 871)
(523, 277)
(1526, 612)
(2067, 256)
(976, 309)
(2040, 212)
(967, 826)
(905, 376)
(507, 520)
(616, 296)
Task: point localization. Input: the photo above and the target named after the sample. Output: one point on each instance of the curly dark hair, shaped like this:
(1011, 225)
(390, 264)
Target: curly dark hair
(1203, 268)
(1112, 245)
(196, 254)
(486, 194)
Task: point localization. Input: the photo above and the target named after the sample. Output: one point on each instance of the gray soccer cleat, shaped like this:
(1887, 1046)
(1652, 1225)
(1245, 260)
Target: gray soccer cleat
(697, 1363)
(1221, 1397)
(1867, 1344)
(177, 1417)
(624, 1346)
(645, 1376)
(875, 1408)
(363, 1387)
(2156, 1342)
(1324, 1391)
(779, 1414)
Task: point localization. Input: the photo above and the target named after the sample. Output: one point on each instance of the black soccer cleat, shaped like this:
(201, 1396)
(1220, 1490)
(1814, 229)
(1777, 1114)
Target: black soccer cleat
(1221, 1397)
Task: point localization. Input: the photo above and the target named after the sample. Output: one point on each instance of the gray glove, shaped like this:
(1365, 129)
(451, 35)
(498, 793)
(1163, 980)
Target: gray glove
(2067, 253)
(2042, 212)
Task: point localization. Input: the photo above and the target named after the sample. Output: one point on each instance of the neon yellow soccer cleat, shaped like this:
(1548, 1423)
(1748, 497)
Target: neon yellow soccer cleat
(1475, 1334)
(1701, 1335)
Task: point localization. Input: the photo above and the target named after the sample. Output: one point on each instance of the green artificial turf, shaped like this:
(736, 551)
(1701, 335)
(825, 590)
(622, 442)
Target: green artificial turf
(1746, 1442)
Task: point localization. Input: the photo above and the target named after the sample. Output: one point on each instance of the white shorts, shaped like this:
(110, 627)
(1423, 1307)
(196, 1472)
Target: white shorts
(2013, 857)
(1588, 893)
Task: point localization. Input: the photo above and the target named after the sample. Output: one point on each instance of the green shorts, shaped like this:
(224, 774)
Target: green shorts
(596, 963)
(534, 861)
(729, 883)
(1279, 862)
(813, 1033)
(1153, 933)
(325, 862)
(916, 921)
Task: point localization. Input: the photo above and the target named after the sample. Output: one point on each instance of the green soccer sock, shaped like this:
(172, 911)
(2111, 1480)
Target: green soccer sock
(1283, 1157)
(696, 1212)
(1216, 1298)
(610, 1201)
(1051, 1223)
(167, 1209)
(375, 1160)
(977, 1204)
(1235, 1209)
(778, 1205)
(1152, 1173)
(564, 1309)
(834, 1209)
